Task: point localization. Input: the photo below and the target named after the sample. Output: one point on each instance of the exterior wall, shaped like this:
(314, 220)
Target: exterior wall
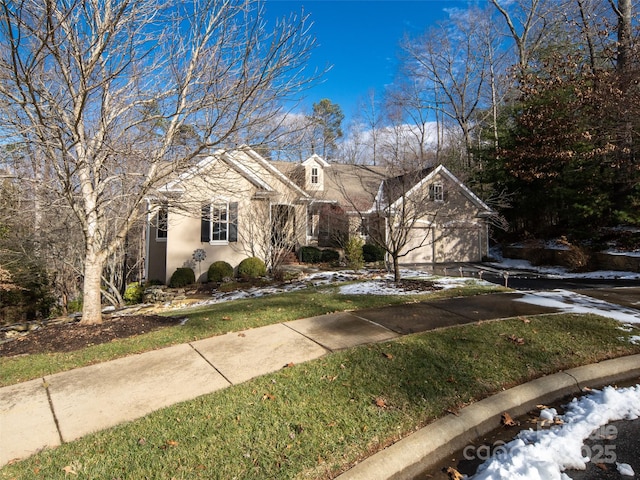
(456, 232)
(254, 217)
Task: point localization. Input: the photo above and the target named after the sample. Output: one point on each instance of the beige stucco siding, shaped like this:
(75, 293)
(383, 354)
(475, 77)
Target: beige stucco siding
(254, 199)
(456, 233)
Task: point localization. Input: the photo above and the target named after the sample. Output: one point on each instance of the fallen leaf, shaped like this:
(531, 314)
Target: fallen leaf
(226, 318)
(69, 470)
(142, 441)
(387, 355)
(602, 466)
(381, 403)
(241, 335)
(516, 340)
(289, 365)
(507, 421)
(525, 320)
(268, 396)
(172, 443)
(453, 474)
(451, 380)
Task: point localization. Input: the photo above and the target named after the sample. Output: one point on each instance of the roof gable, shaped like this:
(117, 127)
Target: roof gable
(442, 170)
(246, 162)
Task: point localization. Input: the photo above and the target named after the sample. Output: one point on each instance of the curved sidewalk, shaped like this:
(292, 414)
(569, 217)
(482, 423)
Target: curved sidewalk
(65, 406)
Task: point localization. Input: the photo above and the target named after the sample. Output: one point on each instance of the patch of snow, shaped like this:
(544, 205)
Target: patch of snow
(635, 339)
(634, 253)
(625, 469)
(571, 302)
(546, 454)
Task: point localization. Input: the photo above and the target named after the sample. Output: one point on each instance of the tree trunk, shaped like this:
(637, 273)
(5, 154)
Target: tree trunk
(91, 289)
(396, 269)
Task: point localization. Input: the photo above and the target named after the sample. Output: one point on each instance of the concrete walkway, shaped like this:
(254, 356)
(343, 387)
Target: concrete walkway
(62, 407)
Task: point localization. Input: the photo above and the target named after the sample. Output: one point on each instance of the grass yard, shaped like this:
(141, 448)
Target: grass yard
(314, 420)
(215, 320)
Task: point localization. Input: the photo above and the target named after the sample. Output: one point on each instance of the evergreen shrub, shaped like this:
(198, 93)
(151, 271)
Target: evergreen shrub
(133, 293)
(182, 277)
(309, 254)
(353, 253)
(329, 256)
(219, 270)
(252, 267)
(372, 253)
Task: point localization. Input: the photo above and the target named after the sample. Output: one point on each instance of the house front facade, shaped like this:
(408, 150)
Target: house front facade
(236, 204)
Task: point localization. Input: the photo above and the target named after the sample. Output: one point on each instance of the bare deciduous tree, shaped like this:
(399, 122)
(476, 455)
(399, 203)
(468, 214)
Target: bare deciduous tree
(116, 96)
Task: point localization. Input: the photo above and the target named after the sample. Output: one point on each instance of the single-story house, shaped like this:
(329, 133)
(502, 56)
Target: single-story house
(234, 204)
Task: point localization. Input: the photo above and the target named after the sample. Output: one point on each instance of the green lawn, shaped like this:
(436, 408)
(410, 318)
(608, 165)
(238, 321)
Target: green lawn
(215, 320)
(315, 419)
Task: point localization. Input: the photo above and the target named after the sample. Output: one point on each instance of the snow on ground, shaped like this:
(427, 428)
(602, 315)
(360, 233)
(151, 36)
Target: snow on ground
(546, 454)
(515, 265)
(571, 302)
(386, 286)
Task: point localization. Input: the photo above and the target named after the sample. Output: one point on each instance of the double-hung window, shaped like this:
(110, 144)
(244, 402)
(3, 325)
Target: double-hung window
(219, 222)
(315, 178)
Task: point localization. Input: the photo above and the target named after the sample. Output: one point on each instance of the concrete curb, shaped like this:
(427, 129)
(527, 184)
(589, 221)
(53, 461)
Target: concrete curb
(416, 454)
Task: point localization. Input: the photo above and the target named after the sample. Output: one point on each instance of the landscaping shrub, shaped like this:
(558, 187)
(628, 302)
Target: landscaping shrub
(182, 277)
(219, 270)
(252, 267)
(353, 253)
(309, 254)
(133, 293)
(372, 253)
(329, 256)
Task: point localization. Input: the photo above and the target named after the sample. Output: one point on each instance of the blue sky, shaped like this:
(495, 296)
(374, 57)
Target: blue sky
(360, 38)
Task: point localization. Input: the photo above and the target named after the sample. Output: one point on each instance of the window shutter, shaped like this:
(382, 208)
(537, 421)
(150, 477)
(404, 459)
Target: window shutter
(233, 222)
(205, 223)
(431, 192)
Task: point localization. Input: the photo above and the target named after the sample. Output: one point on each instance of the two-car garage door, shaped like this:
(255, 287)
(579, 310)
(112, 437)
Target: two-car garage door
(454, 242)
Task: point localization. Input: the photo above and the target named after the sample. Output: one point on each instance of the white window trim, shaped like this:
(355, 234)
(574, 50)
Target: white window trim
(216, 203)
(438, 192)
(315, 176)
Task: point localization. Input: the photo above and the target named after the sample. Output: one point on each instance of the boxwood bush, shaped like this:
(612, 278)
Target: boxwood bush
(309, 254)
(252, 267)
(219, 270)
(329, 256)
(372, 253)
(182, 277)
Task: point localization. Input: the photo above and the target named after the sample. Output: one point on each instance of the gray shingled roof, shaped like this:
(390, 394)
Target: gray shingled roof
(352, 186)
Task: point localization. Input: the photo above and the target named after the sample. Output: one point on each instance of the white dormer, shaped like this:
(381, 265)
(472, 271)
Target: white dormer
(314, 173)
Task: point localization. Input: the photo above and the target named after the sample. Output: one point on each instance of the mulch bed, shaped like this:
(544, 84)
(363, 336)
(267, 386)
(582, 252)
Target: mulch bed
(70, 336)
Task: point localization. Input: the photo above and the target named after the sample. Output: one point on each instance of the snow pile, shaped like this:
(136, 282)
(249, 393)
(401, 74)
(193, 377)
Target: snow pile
(546, 454)
(572, 302)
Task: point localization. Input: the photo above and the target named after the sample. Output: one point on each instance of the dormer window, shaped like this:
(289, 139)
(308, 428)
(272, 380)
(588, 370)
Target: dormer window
(314, 176)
